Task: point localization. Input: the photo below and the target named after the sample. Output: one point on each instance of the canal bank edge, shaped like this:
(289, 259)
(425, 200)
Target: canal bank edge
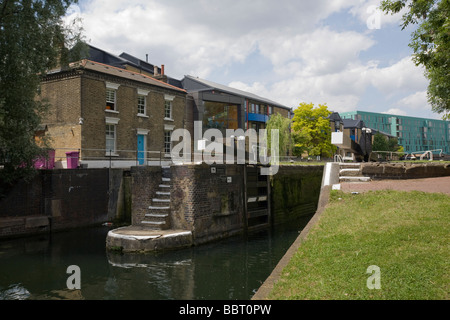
(376, 171)
(330, 176)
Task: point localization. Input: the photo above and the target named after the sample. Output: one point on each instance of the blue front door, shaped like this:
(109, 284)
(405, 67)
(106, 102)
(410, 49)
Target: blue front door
(141, 149)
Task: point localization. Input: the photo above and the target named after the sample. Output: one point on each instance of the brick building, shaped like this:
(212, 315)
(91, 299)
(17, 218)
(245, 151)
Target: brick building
(119, 111)
(112, 116)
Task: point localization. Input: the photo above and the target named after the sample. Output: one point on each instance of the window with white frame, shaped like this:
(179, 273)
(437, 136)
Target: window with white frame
(168, 109)
(142, 102)
(167, 142)
(168, 106)
(142, 106)
(111, 96)
(110, 99)
(111, 138)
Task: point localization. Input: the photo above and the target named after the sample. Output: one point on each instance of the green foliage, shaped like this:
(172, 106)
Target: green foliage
(33, 39)
(382, 143)
(282, 124)
(312, 131)
(431, 45)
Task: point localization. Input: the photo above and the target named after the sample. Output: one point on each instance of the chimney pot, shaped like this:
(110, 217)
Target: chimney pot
(162, 69)
(155, 70)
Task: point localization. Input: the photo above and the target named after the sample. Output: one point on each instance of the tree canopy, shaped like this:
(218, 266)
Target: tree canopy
(312, 131)
(282, 124)
(33, 39)
(431, 45)
(382, 143)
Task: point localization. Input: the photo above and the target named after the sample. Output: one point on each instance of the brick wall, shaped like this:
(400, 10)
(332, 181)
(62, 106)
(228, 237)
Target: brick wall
(144, 184)
(56, 200)
(62, 119)
(82, 94)
(93, 102)
(207, 203)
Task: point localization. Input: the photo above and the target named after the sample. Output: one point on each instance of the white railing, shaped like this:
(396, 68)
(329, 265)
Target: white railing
(390, 154)
(101, 158)
(429, 153)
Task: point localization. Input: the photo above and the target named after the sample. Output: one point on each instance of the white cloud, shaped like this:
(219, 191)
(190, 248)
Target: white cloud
(403, 76)
(309, 61)
(415, 101)
(320, 52)
(396, 111)
(369, 13)
(198, 36)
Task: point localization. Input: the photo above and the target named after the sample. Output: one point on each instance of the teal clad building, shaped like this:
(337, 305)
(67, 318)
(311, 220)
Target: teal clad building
(414, 134)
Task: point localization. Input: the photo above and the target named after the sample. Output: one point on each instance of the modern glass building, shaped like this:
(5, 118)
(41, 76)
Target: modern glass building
(414, 134)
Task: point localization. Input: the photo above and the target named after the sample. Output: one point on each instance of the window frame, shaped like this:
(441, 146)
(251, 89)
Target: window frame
(168, 106)
(141, 93)
(108, 123)
(167, 142)
(112, 103)
(168, 110)
(110, 151)
(142, 105)
(112, 88)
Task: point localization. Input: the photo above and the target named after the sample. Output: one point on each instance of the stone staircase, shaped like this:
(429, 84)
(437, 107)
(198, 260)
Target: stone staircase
(158, 217)
(351, 172)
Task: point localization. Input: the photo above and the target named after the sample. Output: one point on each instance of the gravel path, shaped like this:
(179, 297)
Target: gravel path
(441, 185)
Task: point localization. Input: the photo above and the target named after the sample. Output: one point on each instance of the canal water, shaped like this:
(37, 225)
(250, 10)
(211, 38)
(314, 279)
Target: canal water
(230, 269)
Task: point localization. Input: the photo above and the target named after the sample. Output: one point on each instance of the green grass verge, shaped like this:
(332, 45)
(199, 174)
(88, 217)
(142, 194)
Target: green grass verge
(405, 234)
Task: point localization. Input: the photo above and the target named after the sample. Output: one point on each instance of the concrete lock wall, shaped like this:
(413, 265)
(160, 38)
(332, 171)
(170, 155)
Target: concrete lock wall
(295, 192)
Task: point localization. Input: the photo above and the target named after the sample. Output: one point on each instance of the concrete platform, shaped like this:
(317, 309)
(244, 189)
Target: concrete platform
(142, 239)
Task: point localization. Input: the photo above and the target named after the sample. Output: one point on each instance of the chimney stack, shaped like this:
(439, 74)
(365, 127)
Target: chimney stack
(155, 70)
(162, 69)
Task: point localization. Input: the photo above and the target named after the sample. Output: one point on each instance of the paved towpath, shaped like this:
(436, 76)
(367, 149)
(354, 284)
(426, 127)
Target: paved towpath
(441, 185)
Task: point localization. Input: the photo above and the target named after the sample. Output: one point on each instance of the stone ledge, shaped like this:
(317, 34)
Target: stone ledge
(140, 239)
(405, 170)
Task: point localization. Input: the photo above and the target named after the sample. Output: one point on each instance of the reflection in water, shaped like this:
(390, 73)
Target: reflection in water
(35, 268)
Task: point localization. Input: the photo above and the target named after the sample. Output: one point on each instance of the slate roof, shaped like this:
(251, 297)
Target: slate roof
(211, 85)
(123, 73)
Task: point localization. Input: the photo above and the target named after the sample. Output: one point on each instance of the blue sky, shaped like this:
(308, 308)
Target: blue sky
(288, 51)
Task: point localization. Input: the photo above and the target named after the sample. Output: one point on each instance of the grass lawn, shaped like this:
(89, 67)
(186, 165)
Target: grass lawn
(405, 234)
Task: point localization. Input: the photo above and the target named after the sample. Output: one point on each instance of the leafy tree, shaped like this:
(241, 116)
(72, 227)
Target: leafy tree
(431, 45)
(33, 39)
(300, 141)
(312, 131)
(382, 143)
(283, 125)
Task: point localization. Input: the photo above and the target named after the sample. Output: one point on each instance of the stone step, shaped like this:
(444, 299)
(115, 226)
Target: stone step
(354, 179)
(154, 223)
(350, 172)
(157, 216)
(157, 225)
(166, 179)
(161, 200)
(160, 193)
(164, 186)
(350, 164)
(158, 208)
